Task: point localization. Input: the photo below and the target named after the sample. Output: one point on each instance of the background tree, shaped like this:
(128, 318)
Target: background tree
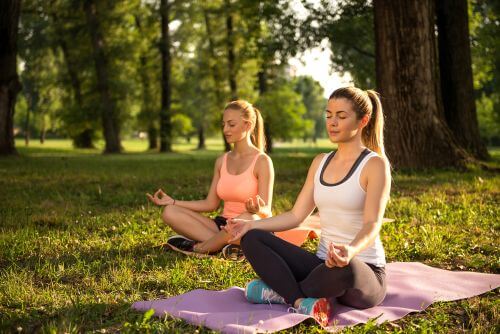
(109, 115)
(312, 97)
(283, 111)
(485, 29)
(417, 134)
(166, 89)
(456, 75)
(9, 80)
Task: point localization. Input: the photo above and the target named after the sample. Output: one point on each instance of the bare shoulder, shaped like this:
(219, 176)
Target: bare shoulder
(377, 166)
(317, 160)
(218, 162)
(264, 162)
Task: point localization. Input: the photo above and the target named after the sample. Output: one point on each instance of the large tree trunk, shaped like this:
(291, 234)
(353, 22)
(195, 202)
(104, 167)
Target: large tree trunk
(456, 75)
(110, 124)
(9, 80)
(406, 64)
(165, 113)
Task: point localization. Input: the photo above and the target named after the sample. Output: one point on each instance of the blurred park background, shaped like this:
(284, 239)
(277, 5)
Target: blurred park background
(161, 70)
(145, 81)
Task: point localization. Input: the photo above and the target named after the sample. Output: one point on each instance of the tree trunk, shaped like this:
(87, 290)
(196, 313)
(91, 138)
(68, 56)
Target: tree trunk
(231, 59)
(201, 137)
(165, 113)
(43, 129)
(31, 94)
(27, 127)
(406, 67)
(146, 94)
(152, 138)
(262, 79)
(456, 75)
(9, 80)
(84, 138)
(110, 124)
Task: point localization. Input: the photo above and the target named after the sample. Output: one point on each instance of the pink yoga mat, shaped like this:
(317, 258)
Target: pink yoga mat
(411, 287)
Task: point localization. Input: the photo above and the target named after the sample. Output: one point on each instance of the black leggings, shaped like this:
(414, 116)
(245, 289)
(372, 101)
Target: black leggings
(296, 273)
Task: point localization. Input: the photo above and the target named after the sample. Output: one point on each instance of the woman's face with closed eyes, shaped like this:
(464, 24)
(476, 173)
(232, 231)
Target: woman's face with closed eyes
(342, 123)
(234, 127)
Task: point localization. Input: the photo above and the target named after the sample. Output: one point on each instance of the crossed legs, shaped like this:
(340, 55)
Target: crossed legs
(196, 226)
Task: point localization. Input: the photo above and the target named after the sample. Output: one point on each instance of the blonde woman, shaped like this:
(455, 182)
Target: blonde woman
(243, 179)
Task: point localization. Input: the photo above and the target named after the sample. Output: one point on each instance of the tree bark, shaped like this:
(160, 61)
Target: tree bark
(406, 67)
(456, 75)
(9, 80)
(110, 123)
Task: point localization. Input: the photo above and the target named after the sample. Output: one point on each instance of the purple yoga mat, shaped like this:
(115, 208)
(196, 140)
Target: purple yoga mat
(411, 287)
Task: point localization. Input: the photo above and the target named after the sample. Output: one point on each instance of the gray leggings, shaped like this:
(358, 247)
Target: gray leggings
(296, 273)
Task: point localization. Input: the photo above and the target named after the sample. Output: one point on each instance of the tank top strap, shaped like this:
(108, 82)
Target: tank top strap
(252, 165)
(362, 163)
(223, 167)
(326, 157)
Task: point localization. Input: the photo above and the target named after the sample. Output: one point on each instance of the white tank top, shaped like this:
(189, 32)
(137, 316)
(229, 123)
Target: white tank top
(341, 208)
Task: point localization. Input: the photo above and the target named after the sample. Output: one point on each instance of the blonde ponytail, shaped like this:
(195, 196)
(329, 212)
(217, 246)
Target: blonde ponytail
(373, 132)
(258, 138)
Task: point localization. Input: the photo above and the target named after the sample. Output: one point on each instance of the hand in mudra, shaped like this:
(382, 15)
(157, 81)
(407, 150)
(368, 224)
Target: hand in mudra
(255, 206)
(338, 255)
(160, 198)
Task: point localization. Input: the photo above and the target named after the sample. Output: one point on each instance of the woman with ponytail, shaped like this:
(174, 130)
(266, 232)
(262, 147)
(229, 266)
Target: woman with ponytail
(243, 178)
(350, 187)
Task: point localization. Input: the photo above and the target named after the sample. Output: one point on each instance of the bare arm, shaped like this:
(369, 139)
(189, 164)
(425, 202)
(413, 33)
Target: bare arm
(264, 171)
(377, 196)
(303, 207)
(212, 201)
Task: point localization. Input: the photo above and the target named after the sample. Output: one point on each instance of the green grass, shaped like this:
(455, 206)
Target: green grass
(77, 236)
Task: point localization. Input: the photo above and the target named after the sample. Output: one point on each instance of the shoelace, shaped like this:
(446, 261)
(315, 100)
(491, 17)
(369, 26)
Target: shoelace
(269, 295)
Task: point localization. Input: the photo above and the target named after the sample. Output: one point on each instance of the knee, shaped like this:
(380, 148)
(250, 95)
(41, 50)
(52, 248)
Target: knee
(169, 212)
(251, 238)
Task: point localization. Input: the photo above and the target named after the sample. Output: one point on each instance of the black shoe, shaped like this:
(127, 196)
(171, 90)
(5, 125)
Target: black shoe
(182, 243)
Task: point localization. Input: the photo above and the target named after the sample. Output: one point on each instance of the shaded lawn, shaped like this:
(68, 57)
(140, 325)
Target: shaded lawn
(77, 237)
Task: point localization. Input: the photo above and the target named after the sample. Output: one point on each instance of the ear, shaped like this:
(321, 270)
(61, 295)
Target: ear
(364, 121)
(248, 125)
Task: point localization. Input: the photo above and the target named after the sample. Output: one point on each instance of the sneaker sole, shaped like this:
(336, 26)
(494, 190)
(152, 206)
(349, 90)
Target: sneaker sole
(321, 311)
(195, 254)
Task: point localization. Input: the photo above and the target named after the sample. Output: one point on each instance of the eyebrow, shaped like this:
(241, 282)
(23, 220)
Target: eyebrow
(338, 112)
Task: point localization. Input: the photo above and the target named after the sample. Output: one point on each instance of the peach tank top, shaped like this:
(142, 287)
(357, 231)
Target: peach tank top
(234, 190)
